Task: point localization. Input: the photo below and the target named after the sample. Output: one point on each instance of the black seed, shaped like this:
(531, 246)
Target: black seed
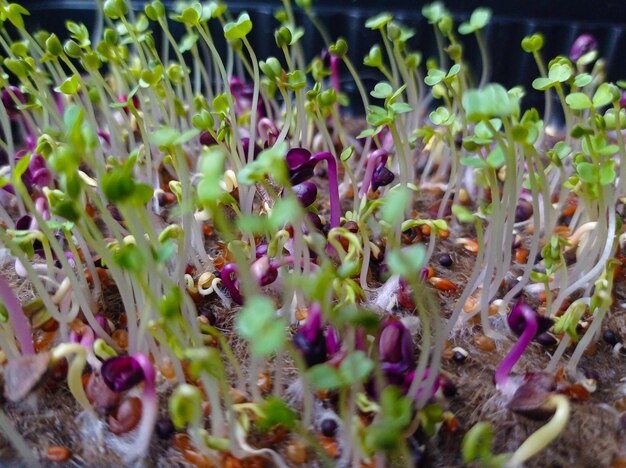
(610, 337)
(210, 316)
(165, 428)
(546, 339)
(523, 211)
(459, 356)
(448, 387)
(591, 374)
(329, 427)
(445, 260)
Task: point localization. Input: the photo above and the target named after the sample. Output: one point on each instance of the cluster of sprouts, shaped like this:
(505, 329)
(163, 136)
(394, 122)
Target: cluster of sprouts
(215, 250)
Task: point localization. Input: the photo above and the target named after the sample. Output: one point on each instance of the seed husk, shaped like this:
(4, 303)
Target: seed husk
(126, 416)
(23, 374)
(57, 453)
(484, 343)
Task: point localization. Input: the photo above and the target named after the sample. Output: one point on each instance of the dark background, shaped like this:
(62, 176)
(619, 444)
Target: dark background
(561, 21)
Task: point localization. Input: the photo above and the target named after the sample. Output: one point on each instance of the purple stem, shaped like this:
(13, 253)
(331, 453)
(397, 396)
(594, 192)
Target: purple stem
(372, 161)
(18, 320)
(86, 340)
(333, 186)
(505, 367)
(228, 270)
(334, 73)
(149, 402)
(288, 260)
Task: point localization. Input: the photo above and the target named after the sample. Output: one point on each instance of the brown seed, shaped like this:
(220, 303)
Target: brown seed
(120, 337)
(351, 226)
(323, 394)
(521, 255)
(126, 416)
(43, 341)
(591, 349)
(182, 442)
(58, 371)
(99, 394)
(425, 228)
(562, 231)
(237, 396)
(448, 354)
(275, 436)
(90, 210)
(167, 369)
(301, 313)
(197, 459)
(371, 463)
(493, 309)
(430, 272)
(442, 284)
(264, 381)
(78, 326)
(206, 408)
(470, 304)
(484, 343)
(471, 246)
(330, 446)
(444, 234)
(57, 453)
(255, 462)
(620, 404)
(451, 423)
(231, 462)
(464, 198)
(50, 325)
(296, 451)
(577, 392)
(619, 462)
(569, 209)
(219, 262)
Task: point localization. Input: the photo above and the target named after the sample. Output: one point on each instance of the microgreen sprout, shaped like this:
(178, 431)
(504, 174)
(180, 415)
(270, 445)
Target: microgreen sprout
(164, 218)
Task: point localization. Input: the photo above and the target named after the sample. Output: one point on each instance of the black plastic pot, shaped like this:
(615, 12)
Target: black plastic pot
(560, 21)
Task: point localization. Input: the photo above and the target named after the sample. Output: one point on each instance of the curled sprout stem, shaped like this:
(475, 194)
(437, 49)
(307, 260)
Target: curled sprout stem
(509, 361)
(541, 438)
(150, 409)
(376, 156)
(75, 371)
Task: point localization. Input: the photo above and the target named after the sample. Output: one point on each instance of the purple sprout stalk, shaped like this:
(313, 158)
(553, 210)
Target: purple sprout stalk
(333, 187)
(583, 44)
(301, 164)
(396, 351)
(18, 320)
(228, 270)
(150, 406)
(530, 330)
(375, 157)
(122, 373)
(334, 72)
(86, 340)
(264, 271)
(310, 339)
